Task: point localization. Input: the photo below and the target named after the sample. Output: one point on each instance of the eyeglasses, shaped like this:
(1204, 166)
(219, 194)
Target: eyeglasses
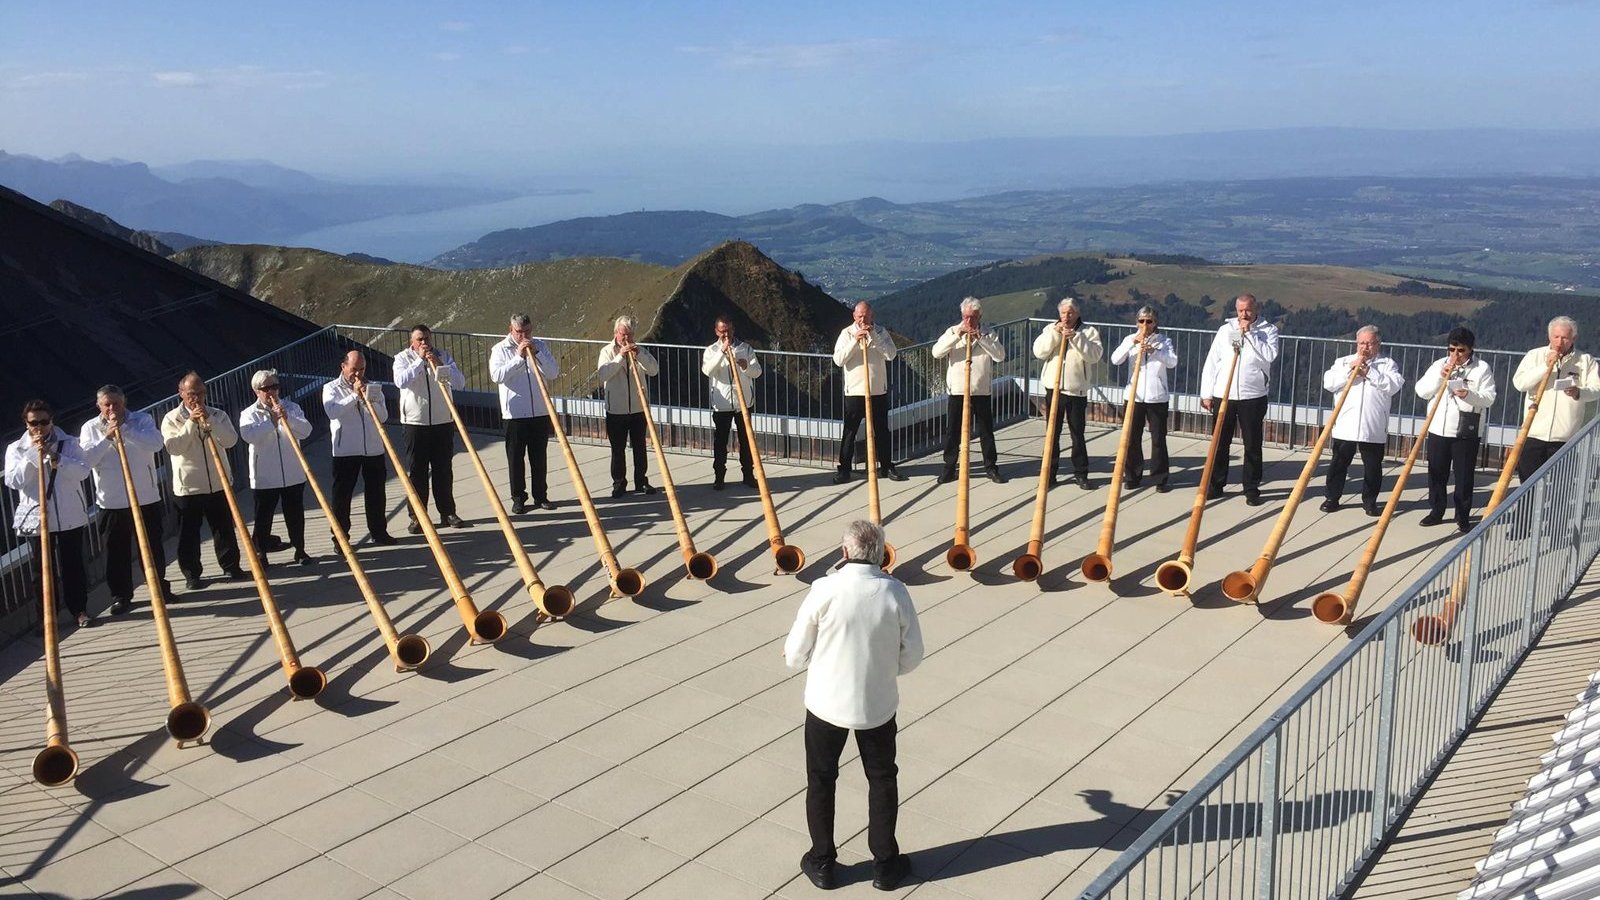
(37, 423)
(269, 387)
(1460, 349)
(1147, 321)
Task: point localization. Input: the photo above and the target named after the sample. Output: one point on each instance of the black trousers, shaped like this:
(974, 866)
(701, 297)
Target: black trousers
(1534, 454)
(824, 744)
(1371, 468)
(71, 583)
(982, 427)
(294, 515)
(526, 443)
(213, 509)
(722, 423)
(1445, 454)
(855, 412)
(429, 452)
(1154, 415)
(1073, 413)
(623, 430)
(122, 543)
(1246, 416)
(372, 472)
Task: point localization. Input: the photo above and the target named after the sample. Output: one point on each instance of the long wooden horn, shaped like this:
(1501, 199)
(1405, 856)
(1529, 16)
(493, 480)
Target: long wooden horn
(409, 651)
(873, 509)
(787, 557)
(186, 720)
(699, 564)
(961, 556)
(555, 602)
(305, 682)
(1097, 565)
(1339, 609)
(56, 764)
(1174, 575)
(1434, 629)
(627, 582)
(1030, 565)
(1245, 586)
(484, 627)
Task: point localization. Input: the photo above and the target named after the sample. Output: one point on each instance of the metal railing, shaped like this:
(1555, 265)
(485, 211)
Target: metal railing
(1297, 810)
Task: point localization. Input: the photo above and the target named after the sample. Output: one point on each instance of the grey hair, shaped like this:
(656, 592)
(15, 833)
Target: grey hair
(1146, 311)
(1565, 322)
(520, 320)
(110, 390)
(260, 378)
(971, 304)
(628, 322)
(1066, 302)
(1369, 329)
(863, 540)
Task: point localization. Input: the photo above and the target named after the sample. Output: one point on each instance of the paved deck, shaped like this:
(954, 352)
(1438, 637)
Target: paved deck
(651, 748)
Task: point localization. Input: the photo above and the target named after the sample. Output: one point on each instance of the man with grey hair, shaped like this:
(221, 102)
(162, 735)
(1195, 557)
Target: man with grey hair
(1574, 383)
(275, 472)
(423, 372)
(1363, 422)
(141, 440)
(1256, 343)
(984, 349)
(196, 481)
(358, 450)
(1083, 349)
(522, 406)
(855, 634)
(624, 410)
(863, 350)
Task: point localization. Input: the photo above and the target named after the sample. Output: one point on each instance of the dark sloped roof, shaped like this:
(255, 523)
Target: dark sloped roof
(80, 308)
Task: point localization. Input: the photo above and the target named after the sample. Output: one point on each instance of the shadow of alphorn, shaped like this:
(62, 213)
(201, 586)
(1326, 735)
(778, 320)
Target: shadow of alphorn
(1175, 575)
(699, 565)
(1030, 565)
(56, 764)
(1097, 565)
(786, 557)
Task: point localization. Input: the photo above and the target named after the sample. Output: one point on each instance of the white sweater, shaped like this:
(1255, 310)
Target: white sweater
(1559, 416)
(847, 355)
(350, 428)
(857, 632)
(986, 351)
(141, 439)
(1152, 386)
(1083, 350)
(1257, 352)
(272, 460)
(1479, 382)
(1365, 415)
(419, 392)
(192, 471)
(519, 392)
(714, 365)
(67, 510)
(615, 371)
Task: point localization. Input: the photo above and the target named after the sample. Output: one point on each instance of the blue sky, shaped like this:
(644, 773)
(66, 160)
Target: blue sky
(358, 88)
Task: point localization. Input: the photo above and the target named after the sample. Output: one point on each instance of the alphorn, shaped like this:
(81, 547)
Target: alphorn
(787, 557)
(409, 651)
(961, 556)
(873, 509)
(56, 764)
(305, 682)
(626, 582)
(1174, 575)
(700, 564)
(484, 627)
(554, 602)
(186, 719)
(1339, 609)
(1097, 565)
(1245, 586)
(1030, 565)
(1434, 629)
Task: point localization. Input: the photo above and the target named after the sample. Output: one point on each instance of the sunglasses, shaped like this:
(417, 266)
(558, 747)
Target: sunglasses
(1460, 349)
(37, 423)
(269, 387)
(1147, 321)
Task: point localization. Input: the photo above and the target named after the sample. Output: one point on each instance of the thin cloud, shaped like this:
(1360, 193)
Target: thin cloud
(245, 77)
(822, 55)
(44, 80)
(455, 26)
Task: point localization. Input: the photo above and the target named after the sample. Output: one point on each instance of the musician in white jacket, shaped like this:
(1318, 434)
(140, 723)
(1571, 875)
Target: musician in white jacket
(141, 440)
(1363, 423)
(1457, 428)
(1574, 384)
(64, 474)
(197, 483)
(275, 473)
(984, 349)
(863, 350)
(1150, 399)
(422, 372)
(1256, 342)
(624, 409)
(358, 450)
(725, 399)
(1083, 349)
(522, 408)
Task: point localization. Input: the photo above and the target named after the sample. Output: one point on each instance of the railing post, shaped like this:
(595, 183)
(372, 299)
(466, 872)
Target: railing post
(1535, 556)
(1294, 392)
(1382, 758)
(1469, 636)
(1267, 832)
(1585, 472)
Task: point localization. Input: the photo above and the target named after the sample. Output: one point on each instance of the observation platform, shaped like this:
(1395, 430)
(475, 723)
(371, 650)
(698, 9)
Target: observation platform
(651, 747)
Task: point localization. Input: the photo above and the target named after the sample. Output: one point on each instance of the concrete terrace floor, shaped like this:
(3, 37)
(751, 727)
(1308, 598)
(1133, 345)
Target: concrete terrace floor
(651, 748)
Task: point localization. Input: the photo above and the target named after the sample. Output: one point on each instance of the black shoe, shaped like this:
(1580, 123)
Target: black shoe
(87, 621)
(820, 873)
(120, 605)
(455, 521)
(544, 504)
(304, 559)
(1057, 479)
(1370, 509)
(238, 575)
(1466, 526)
(192, 583)
(618, 490)
(716, 485)
(644, 487)
(414, 528)
(1129, 485)
(749, 481)
(1330, 506)
(994, 475)
(1432, 518)
(383, 539)
(1163, 488)
(841, 476)
(891, 473)
(891, 874)
(1253, 498)
(947, 476)
(1083, 482)
(518, 507)
(1215, 493)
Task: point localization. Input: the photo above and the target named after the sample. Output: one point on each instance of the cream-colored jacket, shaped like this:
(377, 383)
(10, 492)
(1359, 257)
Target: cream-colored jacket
(1083, 350)
(192, 472)
(1559, 416)
(986, 351)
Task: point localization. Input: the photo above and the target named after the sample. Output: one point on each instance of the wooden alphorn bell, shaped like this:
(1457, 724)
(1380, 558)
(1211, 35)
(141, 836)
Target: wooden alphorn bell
(56, 764)
(1245, 586)
(961, 556)
(786, 557)
(484, 627)
(624, 582)
(1434, 629)
(408, 651)
(1174, 575)
(1097, 565)
(1339, 609)
(186, 719)
(874, 511)
(699, 564)
(554, 602)
(1030, 565)
(305, 682)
